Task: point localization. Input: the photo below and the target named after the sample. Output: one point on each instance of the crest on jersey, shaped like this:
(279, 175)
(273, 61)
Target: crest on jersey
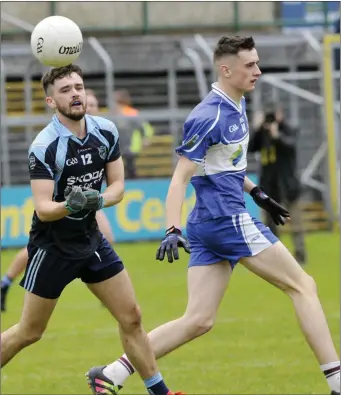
(190, 143)
(102, 150)
(237, 155)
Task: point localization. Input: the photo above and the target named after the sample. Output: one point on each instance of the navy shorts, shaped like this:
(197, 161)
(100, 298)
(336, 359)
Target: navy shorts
(47, 275)
(227, 238)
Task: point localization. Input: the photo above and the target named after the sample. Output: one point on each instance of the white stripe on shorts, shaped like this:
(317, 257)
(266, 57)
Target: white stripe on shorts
(234, 222)
(32, 265)
(34, 274)
(33, 269)
(253, 237)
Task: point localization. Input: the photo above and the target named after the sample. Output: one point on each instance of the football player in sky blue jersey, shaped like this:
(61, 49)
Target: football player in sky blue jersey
(67, 163)
(20, 260)
(220, 230)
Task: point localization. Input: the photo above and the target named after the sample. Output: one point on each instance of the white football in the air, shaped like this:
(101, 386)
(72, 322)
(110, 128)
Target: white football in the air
(56, 41)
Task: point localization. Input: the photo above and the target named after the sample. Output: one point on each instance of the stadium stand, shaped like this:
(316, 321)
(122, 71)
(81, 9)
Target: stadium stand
(143, 64)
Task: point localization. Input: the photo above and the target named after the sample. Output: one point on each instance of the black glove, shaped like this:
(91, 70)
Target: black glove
(170, 244)
(75, 199)
(277, 212)
(94, 200)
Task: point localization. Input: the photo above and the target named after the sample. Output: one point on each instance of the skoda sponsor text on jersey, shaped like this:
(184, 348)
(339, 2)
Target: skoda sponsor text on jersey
(86, 180)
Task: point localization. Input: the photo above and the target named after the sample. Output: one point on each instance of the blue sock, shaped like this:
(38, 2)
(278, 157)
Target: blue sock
(156, 386)
(6, 281)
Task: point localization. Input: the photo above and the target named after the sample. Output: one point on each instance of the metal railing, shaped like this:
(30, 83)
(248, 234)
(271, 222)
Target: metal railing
(109, 70)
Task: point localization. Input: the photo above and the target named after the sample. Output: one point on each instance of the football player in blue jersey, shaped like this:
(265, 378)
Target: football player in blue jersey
(220, 230)
(67, 162)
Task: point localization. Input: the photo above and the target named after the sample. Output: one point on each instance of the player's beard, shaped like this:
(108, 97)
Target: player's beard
(74, 116)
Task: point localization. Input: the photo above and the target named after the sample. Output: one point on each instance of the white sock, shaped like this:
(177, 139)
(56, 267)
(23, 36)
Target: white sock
(119, 370)
(332, 372)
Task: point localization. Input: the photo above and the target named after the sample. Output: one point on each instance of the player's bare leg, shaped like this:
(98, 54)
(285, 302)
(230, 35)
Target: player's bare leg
(206, 288)
(118, 296)
(277, 266)
(16, 267)
(18, 264)
(33, 322)
(104, 226)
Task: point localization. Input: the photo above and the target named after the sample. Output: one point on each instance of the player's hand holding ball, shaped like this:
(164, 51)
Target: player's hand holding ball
(75, 199)
(170, 244)
(277, 212)
(94, 200)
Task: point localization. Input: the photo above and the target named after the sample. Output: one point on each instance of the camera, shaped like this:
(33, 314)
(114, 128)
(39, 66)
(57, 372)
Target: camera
(270, 117)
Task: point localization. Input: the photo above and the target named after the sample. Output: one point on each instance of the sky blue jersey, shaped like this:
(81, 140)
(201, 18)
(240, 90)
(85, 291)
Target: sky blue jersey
(216, 136)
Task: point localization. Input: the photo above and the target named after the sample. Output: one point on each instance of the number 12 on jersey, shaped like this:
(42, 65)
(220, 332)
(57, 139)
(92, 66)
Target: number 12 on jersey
(87, 160)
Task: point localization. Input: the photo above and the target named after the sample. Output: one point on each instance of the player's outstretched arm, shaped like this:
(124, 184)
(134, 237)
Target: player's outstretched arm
(177, 189)
(176, 194)
(114, 192)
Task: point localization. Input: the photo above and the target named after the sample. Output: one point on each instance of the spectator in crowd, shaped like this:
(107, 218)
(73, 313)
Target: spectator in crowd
(123, 102)
(92, 107)
(134, 134)
(141, 137)
(128, 127)
(276, 142)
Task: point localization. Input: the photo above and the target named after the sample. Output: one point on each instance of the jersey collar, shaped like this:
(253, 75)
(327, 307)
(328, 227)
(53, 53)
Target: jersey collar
(62, 130)
(227, 98)
(65, 132)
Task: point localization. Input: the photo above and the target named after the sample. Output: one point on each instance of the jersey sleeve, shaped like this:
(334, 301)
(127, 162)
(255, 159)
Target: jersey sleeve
(114, 142)
(198, 137)
(39, 163)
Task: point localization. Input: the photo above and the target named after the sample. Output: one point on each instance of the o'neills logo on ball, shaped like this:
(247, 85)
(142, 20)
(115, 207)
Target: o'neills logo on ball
(40, 43)
(63, 50)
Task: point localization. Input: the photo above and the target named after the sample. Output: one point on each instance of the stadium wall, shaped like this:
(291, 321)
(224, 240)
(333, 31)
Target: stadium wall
(142, 15)
(140, 216)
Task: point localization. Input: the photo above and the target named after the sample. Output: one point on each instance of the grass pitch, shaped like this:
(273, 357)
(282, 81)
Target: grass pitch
(255, 347)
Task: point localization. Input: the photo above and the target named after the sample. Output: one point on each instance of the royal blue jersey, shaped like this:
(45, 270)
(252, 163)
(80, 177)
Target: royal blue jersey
(56, 154)
(216, 136)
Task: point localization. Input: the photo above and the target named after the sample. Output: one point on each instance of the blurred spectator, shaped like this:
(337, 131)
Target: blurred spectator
(92, 107)
(276, 142)
(127, 127)
(141, 137)
(123, 102)
(134, 134)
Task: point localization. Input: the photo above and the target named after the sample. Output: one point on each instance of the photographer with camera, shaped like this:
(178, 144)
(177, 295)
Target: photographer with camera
(275, 140)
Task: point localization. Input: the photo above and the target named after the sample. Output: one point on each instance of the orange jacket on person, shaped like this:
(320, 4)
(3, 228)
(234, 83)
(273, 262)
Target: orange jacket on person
(129, 111)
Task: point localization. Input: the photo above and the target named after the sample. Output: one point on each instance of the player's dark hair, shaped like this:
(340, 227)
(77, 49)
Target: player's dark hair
(58, 73)
(231, 45)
